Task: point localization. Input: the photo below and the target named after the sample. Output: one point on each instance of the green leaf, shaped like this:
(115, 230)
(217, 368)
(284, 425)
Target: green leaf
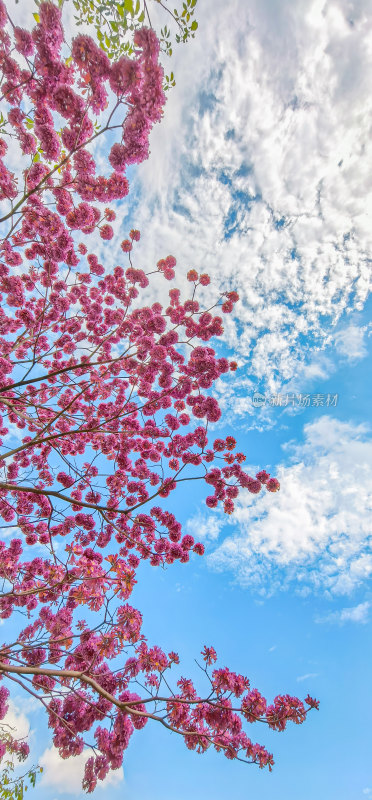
(194, 25)
(36, 17)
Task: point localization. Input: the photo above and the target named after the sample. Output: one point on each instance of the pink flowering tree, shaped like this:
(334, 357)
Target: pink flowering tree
(106, 406)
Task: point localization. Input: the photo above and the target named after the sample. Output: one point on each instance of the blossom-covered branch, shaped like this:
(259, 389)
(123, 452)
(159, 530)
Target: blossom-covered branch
(106, 409)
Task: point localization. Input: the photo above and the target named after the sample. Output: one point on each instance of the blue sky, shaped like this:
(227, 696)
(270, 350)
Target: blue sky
(260, 175)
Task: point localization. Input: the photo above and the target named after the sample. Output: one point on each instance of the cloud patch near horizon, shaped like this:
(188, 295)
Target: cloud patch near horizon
(65, 775)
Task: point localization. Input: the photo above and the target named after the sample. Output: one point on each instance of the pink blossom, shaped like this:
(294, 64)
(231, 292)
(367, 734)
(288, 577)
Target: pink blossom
(272, 485)
(24, 43)
(106, 232)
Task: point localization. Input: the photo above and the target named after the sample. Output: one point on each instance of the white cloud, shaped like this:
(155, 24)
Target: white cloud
(16, 722)
(205, 528)
(22, 14)
(66, 775)
(307, 676)
(316, 532)
(357, 613)
(350, 342)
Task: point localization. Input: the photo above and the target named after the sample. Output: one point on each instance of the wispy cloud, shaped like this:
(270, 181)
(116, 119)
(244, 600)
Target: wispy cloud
(307, 676)
(357, 613)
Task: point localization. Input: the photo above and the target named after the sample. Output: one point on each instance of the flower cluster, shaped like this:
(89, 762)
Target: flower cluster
(85, 87)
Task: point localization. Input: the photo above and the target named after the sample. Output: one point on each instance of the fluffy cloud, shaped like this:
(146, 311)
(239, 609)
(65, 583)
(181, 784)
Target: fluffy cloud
(357, 613)
(66, 775)
(16, 722)
(316, 532)
(350, 342)
(205, 528)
